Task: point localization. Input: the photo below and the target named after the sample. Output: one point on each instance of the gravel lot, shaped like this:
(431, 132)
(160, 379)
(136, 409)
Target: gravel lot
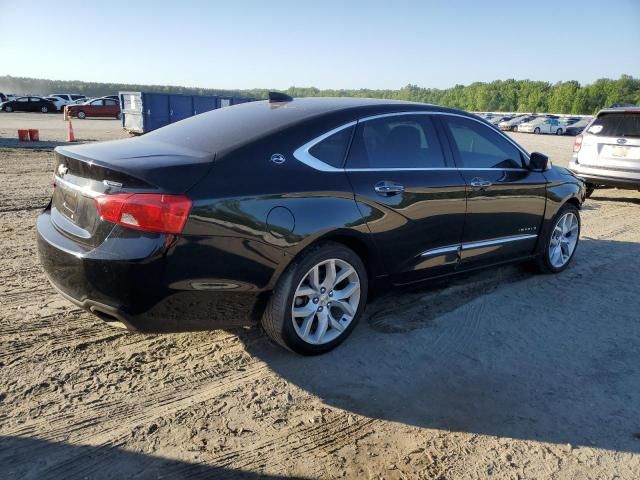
(504, 374)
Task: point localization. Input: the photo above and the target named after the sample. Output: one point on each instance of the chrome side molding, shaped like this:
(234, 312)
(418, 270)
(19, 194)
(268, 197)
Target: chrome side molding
(434, 252)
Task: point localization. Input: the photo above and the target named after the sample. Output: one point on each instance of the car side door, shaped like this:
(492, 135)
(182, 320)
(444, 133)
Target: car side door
(410, 193)
(95, 108)
(22, 104)
(111, 107)
(505, 200)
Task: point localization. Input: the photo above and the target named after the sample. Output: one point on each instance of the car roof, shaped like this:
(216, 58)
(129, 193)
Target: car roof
(231, 127)
(619, 110)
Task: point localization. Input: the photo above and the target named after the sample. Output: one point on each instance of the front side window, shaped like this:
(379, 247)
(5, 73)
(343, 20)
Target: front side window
(23, 99)
(333, 149)
(478, 146)
(96, 103)
(398, 141)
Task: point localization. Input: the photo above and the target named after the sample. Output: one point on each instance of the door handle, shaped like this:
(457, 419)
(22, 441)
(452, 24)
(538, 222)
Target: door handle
(388, 188)
(480, 183)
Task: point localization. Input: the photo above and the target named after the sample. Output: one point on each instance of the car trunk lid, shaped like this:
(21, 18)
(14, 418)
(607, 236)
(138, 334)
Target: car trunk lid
(133, 166)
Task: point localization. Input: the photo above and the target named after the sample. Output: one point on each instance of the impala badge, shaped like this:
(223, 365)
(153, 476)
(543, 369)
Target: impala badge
(278, 158)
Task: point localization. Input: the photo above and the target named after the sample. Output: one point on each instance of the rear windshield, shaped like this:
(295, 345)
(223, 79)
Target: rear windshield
(223, 128)
(616, 125)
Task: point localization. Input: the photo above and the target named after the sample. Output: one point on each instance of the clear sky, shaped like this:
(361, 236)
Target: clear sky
(324, 43)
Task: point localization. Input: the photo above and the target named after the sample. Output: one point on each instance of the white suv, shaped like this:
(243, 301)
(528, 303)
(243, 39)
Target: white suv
(607, 153)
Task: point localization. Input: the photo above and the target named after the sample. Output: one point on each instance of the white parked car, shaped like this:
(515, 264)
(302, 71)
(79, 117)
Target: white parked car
(81, 101)
(512, 125)
(69, 97)
(543, 125)
(57, 101)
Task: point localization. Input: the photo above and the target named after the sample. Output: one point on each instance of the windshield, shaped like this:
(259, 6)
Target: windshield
(622, 124)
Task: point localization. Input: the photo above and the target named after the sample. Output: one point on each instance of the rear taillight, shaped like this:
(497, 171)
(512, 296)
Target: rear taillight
(150, 212)
(577, 144)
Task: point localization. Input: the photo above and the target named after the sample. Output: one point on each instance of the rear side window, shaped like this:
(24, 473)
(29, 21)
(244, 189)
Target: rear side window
(110, 102)
(478, 146)
(398, 141)
(616, 125)
(333, 149)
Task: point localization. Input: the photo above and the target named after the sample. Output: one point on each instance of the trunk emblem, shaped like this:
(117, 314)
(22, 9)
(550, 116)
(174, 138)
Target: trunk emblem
(278, 158)
(621, 141)
(62, 170)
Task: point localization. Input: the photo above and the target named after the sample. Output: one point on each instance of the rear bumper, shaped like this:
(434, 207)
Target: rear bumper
(606, 177)
(144, 282)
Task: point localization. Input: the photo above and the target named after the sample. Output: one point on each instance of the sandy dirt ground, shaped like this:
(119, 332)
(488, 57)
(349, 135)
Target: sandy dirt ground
(504, 374)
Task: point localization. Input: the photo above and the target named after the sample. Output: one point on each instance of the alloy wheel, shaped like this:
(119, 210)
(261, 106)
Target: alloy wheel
(325, 301)
(564, 239)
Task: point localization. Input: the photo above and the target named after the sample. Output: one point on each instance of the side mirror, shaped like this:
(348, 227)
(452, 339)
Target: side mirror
(539, 162)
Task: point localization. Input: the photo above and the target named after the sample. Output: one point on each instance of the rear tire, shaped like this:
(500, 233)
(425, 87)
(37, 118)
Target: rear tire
(81, 115)
(557, 246)
(559, 131)
(44, 109)
(118, 115)
(326, 324)
(8, 108)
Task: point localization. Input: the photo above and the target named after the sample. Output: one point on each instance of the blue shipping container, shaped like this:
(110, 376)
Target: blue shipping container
(146, 111)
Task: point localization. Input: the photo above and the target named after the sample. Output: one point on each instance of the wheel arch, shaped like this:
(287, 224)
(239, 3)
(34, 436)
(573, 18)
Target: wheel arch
(352, 239)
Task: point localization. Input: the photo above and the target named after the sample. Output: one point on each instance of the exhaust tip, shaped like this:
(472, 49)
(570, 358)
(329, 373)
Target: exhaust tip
(109, 318)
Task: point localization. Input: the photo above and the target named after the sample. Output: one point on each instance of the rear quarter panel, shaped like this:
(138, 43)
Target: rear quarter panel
(253, 203)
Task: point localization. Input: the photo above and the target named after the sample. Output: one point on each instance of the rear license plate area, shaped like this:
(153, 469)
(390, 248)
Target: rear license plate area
(619, 151)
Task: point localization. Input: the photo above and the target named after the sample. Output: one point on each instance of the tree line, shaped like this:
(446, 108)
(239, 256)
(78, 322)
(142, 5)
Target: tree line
(499, 96)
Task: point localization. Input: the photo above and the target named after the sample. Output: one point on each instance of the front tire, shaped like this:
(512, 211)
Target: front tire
(318, 300)
(590, 188)
(44, 109)
(559, 131)
(8, 108)
(537, 131)
(118, 115)
(82, 115)
(558, 245)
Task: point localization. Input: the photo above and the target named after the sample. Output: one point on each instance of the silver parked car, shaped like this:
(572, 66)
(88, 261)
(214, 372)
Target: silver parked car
(607, 153)
(512, 125)
(543, 125)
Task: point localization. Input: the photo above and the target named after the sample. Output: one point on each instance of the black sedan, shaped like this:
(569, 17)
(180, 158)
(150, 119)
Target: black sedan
(577, 127)
(289, 212)
(28, 104)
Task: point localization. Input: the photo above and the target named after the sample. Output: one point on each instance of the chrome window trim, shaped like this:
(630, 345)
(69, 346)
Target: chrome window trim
(430, 169)
(302, 153)
(473, 245)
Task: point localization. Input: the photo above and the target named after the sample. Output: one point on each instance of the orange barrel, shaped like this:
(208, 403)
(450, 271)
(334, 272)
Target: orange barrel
(34, 135)
(23, 135)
